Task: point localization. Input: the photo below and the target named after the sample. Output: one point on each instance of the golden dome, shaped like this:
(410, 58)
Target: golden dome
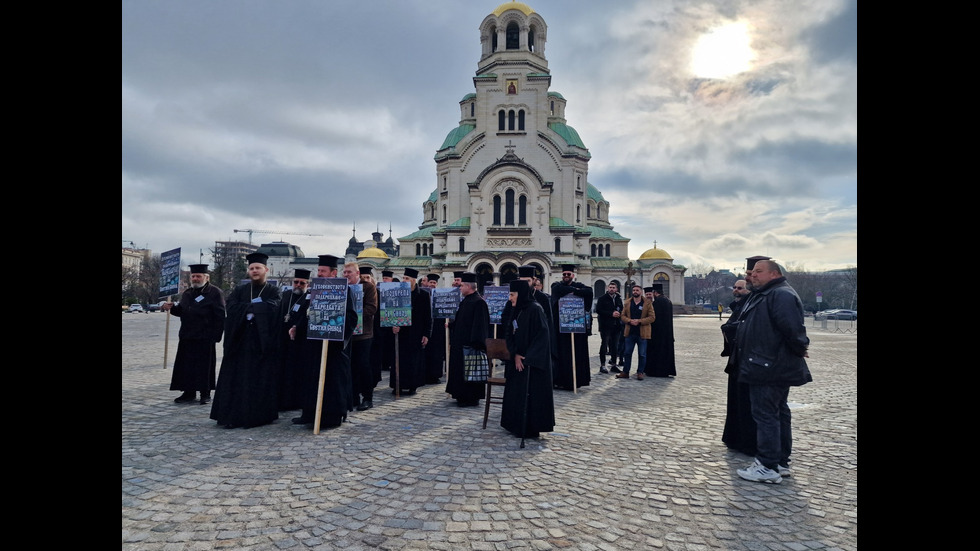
(372, 252)
(513, 6)
(655, 254)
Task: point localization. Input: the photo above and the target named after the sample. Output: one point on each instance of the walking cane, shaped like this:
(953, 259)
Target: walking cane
(398, 384)
(319, 395)
(166, 337)
(527, 398)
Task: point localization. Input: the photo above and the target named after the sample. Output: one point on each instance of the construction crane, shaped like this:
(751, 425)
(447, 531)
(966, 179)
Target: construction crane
(251, 231)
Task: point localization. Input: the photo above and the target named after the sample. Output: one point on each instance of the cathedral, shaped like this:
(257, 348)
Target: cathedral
(512, 181)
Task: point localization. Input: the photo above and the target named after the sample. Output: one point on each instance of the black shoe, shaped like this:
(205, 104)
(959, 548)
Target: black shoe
(185, 397)
(302, 420)
(205, 399)
(603, 370)
(615, 369)
(365, 405)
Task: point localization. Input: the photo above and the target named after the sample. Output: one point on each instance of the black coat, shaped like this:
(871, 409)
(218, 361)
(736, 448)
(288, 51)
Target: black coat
(771, 337)
(604, 308)
(338, 393)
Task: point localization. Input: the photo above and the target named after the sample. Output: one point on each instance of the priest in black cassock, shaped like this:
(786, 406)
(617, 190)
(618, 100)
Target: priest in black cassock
(529, 405)
(563, 368)
(412, 340)
(246, 394)
(435, 351)
(202, 322)
(471, 328)
(660, 349)
(338, 390)
(292, 340)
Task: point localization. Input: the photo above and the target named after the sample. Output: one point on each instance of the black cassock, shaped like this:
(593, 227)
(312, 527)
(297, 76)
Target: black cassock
(292, 352)
(562, 370)
(338, 388)
(470, 328)
(660, 348)
(202, 322)
(411, 355)
(246, 394)
(532, 339)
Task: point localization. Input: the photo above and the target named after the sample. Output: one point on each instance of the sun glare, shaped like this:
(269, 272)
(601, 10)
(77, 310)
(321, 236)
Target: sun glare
(723, 52)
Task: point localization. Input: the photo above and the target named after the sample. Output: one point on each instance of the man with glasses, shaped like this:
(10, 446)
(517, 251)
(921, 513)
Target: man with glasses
(292, 350)
(739, 432)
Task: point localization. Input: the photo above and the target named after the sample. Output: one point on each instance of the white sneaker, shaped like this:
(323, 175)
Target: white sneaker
(757, 472)
(784, 471)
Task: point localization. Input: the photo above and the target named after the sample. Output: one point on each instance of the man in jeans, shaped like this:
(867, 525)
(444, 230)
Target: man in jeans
(772, 346)
(609, 308)
(637, 317)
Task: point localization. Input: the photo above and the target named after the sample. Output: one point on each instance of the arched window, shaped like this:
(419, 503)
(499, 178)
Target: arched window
(513, 36)
(432, 211)
(418, 249)
(496, 210)
(578, 214)
(500, 120)
(520, 120)
(607, 249)
(522, 211)
(552, 107)
(530, 40)
(472, 108)
(593, 249)
(462, 244)
(509, 206)
(510, 120)
(598, 212)
(588, 210)
(557, 244)
(493, 39)
(444, 214)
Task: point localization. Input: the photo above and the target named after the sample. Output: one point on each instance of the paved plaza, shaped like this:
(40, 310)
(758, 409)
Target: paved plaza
(632, 465)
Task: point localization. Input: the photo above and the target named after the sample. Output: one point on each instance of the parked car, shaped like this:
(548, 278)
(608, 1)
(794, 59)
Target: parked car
(153, 307)
(136, 308)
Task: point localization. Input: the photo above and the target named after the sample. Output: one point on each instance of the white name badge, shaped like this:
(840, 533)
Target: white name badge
(256, 299)
(199, 298)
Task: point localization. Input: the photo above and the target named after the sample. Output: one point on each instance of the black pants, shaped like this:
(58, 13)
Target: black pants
(610, 343)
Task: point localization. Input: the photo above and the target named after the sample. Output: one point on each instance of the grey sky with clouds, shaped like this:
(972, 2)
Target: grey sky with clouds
(313, 116)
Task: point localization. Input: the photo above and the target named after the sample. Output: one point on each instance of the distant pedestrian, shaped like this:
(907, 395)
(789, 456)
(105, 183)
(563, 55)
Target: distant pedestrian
(201, 310)
(772, 346)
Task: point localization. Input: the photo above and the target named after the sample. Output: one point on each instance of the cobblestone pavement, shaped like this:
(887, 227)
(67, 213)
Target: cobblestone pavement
(631, 465)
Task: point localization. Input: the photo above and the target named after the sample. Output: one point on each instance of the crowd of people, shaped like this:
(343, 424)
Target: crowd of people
(271, 366)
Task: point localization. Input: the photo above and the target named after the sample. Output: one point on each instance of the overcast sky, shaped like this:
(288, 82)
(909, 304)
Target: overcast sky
(319, 116)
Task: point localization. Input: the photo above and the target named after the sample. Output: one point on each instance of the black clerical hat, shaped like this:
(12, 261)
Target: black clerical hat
(257, 258)
(198, 268)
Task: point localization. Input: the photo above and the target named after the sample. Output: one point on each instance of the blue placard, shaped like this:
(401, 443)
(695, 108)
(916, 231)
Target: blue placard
(445, 302)
(357, 294)
(328, 308)
(497, 298)
(169, 273)
(571, 314)
(395, 303)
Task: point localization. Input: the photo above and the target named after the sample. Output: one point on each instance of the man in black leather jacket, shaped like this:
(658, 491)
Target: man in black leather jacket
(772, 346)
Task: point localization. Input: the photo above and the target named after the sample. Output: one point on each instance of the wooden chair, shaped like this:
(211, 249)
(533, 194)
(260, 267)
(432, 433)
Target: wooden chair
(496, 350)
